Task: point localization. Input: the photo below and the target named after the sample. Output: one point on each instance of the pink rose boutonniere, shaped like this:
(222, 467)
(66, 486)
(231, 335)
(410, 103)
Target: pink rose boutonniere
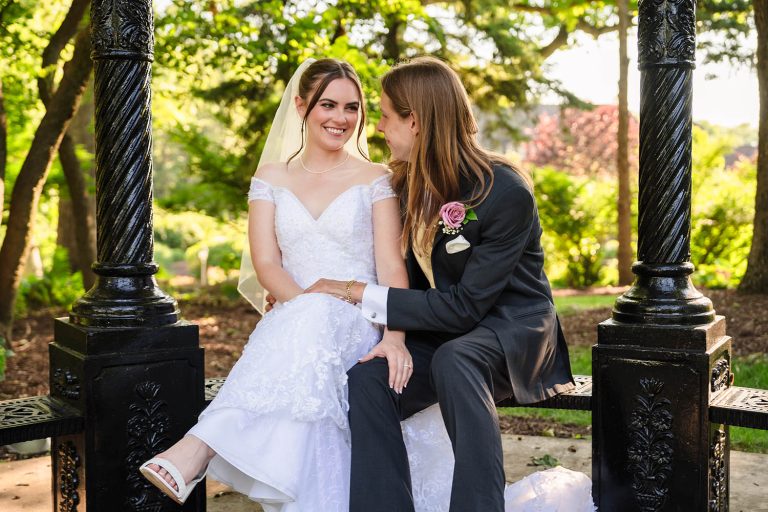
(454, 215)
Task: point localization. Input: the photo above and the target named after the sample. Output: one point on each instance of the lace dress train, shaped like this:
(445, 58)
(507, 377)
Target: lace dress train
(430, 457)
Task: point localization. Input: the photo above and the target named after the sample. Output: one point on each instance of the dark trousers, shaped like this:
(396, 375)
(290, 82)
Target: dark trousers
(466, 375)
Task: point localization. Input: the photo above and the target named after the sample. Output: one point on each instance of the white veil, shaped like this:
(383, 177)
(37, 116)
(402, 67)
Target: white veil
(284, 140)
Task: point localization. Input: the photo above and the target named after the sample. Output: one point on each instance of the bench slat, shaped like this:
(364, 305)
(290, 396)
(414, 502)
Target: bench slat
(578, 399)
(212, 387)
(740, 407)
(37, 417)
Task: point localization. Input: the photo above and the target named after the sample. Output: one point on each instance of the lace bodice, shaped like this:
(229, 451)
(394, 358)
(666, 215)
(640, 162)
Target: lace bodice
(336, 245)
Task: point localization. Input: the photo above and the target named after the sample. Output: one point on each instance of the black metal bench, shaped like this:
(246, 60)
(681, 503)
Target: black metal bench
(37, 417)
(26, 419)
(578, 399)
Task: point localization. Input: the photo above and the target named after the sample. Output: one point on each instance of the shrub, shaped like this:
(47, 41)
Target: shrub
(58, 287)
(721, 225)
(183, 229)
(578, 216)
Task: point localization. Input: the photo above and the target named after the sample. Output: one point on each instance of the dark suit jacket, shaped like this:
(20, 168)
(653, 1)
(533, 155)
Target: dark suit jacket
(498, 283)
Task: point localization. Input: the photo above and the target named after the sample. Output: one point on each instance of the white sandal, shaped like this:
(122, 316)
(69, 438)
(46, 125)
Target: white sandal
(158, 481)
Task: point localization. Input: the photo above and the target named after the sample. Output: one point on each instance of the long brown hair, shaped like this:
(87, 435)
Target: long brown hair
(446, 147)
(316, 77)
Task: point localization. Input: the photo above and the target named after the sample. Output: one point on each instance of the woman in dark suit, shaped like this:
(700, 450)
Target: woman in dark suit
(479, 319)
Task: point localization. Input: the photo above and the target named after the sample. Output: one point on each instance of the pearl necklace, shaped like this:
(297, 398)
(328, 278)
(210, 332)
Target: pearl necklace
(301, 160)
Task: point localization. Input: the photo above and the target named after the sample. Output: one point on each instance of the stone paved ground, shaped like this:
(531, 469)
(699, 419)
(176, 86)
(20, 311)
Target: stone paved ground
(25, 484)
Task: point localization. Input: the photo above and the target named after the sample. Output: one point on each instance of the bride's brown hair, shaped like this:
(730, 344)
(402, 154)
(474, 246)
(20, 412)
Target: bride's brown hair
(446, 147)
(316, 77)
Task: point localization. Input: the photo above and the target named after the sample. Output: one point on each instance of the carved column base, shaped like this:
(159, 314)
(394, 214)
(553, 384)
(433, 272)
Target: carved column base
(125, 296)
(139, 390)
(663, 294)
(653, 445)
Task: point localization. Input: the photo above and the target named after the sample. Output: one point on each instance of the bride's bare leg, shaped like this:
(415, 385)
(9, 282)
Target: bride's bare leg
(190, 455)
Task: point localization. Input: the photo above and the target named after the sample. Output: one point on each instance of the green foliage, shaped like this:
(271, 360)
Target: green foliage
(222, 67)
(181, 230)
(24, 32)
(724, 28)
(722, 211)
(547, 460)
(577, 216)
(58, 287)
(183, 237)
(223, 252)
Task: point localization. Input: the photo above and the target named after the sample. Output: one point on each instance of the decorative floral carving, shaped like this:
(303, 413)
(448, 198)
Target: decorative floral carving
(102, 29)
(667, 31)
(681, 42)
(721, 375)
(69, 478)
(66, 384)
(718, 474)
(650, 41)
(122, 25)
(136, 25)
(147, 432)
(650, 448)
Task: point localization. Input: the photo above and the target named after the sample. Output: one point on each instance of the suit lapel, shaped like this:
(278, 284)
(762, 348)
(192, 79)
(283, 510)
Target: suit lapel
(466, 193)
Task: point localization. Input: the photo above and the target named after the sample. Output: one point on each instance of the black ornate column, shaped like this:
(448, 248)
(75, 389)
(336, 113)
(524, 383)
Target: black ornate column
(663, 293)
(123, 357)
(125, 293)
(664, 353)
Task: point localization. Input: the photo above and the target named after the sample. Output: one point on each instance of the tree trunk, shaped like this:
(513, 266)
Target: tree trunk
(622, 154)
(83, 254)
(756, 277)
(80, 235)
(59, 40)
(65, 230)
(29, 183)
(3, 148)
(392, 48)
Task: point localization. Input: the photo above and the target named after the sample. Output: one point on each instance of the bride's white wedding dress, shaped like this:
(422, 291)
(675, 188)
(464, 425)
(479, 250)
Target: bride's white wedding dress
(279, 423)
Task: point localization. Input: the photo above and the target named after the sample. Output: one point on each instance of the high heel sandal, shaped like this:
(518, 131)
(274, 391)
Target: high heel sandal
(158, 481)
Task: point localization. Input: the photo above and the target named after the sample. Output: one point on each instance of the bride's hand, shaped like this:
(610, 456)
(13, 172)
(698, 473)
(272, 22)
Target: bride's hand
(392, 347)
(338, 289)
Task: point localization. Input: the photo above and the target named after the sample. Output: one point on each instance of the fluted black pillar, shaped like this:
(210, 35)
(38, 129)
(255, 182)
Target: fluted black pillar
(664, 353)
(662, 292)
(125, 293)
(123, 357)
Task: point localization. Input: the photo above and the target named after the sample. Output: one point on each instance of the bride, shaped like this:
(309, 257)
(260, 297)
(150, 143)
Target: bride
(278, 430)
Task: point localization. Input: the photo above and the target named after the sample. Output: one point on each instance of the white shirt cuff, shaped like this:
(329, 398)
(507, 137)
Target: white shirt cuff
(374, 305)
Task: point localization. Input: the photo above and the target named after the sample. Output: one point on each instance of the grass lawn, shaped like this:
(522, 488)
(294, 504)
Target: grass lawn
(570, 304)
(750, 371)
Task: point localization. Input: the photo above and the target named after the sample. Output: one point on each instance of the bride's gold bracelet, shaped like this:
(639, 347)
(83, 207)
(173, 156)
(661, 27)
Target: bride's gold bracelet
(350, 283)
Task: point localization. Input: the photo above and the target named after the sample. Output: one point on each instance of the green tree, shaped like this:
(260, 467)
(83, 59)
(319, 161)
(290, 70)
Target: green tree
(724, 29)
(756, 277)
(230, 61)
(33, 172)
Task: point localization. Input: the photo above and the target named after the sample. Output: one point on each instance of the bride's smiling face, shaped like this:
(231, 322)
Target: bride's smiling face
(332, 120)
